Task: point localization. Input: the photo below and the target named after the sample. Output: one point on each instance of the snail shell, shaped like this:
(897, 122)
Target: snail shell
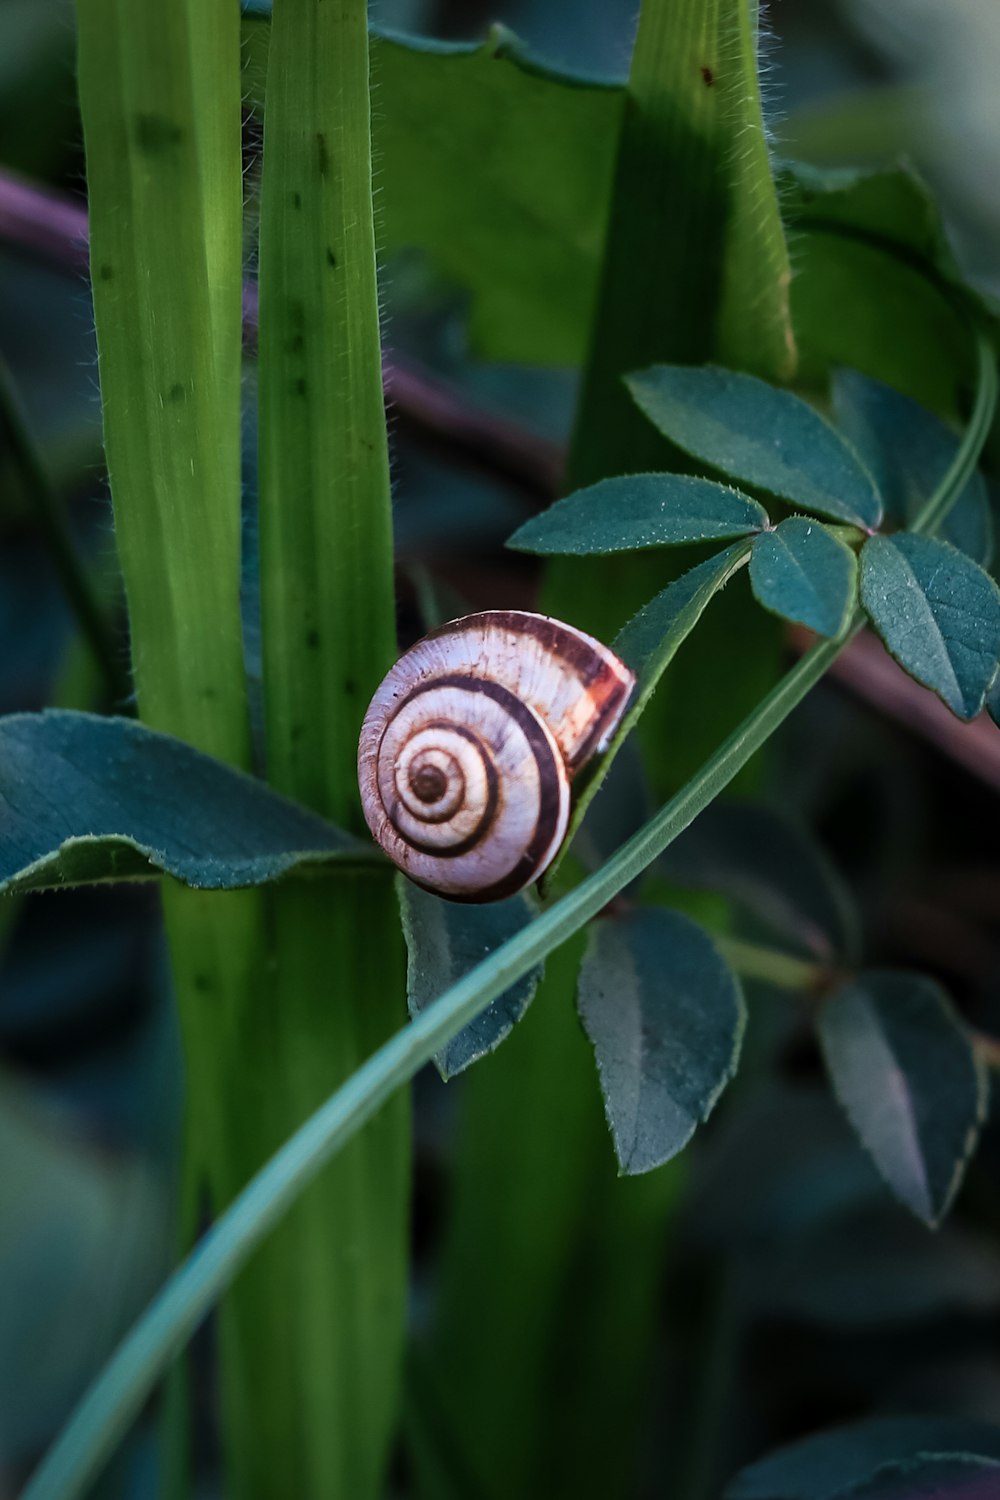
(471, 742)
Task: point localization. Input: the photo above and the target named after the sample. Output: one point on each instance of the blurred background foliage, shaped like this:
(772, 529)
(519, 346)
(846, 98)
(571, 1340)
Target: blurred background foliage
(833, 1302)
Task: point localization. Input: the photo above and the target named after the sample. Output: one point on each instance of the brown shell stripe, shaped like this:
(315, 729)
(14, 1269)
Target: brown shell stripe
(596, 669)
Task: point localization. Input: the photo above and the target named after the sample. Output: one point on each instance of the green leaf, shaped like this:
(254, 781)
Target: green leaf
(637, 511)
(444, 941)
(870, 244)
(906, 1073)
(828, 1463)
(761, 859)
(908, 451)
(760, 435)
(804, 573)
(938, 614)
(499, 168)
(84, 798)
(665, 1017)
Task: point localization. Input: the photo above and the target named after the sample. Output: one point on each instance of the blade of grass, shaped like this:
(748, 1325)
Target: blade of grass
(327, 1364)
(160, 100)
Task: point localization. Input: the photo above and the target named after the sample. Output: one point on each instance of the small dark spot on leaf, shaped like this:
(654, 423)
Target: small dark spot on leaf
(299, 386)
(350, 686)
(322, 153)
(298, 730)
(209, 694)
(331, 259)
(202, 983)
(707, 75)
(106, 273)
(312, 639)
(296, 200)
(177, 392)
(296, 344)
(156, 132)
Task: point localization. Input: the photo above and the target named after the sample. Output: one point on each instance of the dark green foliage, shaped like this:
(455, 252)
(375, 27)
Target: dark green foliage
(759, 435)
(773, 869)
(834, 1463)
(85, 798)
(498, 166)
(908, 451)
(665, 1016)
(444, 940)
(638, 511)
(937, 612)
(906, 1073)
(804, 573)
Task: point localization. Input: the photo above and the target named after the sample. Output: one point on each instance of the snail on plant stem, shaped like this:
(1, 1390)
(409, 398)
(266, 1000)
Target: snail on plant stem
(471, 742)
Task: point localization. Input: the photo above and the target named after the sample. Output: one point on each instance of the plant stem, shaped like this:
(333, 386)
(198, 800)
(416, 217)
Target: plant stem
(783, 970)
(74, 575)
(160, 100)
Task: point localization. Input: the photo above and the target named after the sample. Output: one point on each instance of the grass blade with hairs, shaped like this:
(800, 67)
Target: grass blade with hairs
(160, 99)
(328, 1365)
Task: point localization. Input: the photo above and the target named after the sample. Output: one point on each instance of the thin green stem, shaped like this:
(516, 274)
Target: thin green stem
(973, 441)
(116, 1396)
(73, 573)
(784, 970)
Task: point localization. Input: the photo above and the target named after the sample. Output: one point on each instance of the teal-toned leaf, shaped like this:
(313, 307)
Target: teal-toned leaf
(84, 798)
(774, 869)
(908, 451)
(828, 1463)
(665, 1017)
(938, 614)
(637, 511)
(803, 573)
(444, 941)
(906, 1073)
(759, 435)
(929, 1476)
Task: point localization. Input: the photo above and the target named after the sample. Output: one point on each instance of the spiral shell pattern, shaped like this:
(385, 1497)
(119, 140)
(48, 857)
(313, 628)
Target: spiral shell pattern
(469, 746)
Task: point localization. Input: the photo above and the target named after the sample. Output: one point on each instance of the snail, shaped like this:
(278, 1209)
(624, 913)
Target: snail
(471, 742)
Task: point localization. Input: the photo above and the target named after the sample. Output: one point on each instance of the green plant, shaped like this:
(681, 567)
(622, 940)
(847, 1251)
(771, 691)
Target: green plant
(315, 1327)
